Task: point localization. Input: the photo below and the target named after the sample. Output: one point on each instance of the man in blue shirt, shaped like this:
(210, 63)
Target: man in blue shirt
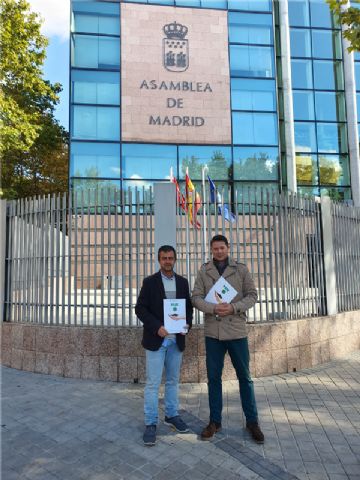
(162, 349)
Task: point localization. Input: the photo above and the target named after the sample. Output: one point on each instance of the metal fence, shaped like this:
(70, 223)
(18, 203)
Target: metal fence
(81, 259)
(346, 237)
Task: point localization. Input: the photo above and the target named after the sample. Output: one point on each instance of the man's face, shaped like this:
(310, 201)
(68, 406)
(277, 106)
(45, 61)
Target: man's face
(220, 251)
(167, 262)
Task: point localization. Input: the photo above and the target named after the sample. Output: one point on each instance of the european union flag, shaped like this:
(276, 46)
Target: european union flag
(223, 209)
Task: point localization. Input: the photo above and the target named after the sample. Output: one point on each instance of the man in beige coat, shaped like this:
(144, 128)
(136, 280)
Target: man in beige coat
(225, 331)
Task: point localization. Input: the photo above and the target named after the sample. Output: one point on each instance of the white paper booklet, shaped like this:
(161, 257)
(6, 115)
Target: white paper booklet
(175, 315)
(221, 292)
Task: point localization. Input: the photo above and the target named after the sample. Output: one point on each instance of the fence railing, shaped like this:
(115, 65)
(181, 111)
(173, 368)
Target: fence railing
(80, 259)
(346, 236)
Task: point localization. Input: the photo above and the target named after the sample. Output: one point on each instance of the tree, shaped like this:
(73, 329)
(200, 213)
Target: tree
(34, 153)
(350, 19)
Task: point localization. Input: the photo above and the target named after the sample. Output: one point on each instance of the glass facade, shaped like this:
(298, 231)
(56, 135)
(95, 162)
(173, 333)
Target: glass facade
(321, 143)
(98, 155)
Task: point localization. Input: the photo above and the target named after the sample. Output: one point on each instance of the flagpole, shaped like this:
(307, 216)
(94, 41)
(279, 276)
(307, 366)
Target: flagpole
(204, 236)
(187, 228)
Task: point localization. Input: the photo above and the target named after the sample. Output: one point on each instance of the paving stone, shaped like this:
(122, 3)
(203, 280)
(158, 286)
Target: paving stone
(60, 428)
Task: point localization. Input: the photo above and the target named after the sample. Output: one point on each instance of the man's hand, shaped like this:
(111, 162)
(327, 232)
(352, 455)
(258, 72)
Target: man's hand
(162, 332)
(185, 328)
(223, 309)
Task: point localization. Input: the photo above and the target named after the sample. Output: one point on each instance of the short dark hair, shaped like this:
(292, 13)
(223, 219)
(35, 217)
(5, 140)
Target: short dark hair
(166, 248)
(219, 238)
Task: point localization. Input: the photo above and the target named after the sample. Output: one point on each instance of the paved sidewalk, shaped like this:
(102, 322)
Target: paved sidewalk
(55, 428)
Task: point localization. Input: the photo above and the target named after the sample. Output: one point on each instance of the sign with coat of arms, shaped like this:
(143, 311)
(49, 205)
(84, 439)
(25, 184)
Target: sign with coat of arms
(175, 80)
(175, 48)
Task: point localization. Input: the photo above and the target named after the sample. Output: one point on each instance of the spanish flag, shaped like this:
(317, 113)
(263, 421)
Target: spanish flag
(193, 201)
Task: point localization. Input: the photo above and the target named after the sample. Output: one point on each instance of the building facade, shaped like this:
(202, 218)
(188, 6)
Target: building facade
(262, 92)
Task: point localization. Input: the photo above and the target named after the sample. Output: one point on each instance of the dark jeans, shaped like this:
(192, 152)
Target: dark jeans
(239, 353)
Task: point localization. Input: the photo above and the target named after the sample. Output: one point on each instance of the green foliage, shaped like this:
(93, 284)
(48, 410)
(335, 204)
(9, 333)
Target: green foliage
(33, 145)
(349, 18)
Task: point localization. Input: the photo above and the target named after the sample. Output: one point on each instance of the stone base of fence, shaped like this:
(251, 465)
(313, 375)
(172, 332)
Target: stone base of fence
(115, 354)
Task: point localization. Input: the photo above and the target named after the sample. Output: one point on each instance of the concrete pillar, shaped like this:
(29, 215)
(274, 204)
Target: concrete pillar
(287, 93)
(2, 256)
(329, 262)
(165, 216)
(352, 120)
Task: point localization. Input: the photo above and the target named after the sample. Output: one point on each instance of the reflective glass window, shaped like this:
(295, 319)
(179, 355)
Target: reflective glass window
(338, 194)
(357, 75)
(298, 13)
(306, 169)
(330, 106)
(248, 61)
(214, 4)
(148, 161)
(95, 52)
(305, 137)
(301, 74)
(334, 170)
(328, 75)
(250, 28)
(96, 191)
(253, 94)
(96, 123)
(251, 5)
(95, 17)
(326, 44)
(312, 191)
(300, 43)
(303, 103)
(320, 15)
(188, 3)
(217, 158)
(255, 128)
(162, 2)
(95, 87)
(95, 159)
(358, 105)
(256, 163)
(331, 138)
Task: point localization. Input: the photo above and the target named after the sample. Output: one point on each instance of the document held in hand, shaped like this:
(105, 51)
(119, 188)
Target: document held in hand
(221, 292)
(175, 315)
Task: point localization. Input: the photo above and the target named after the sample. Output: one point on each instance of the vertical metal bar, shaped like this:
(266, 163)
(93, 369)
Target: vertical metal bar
(276, 282)
(76, 254)
(258, 259)
(286, 256)
(37, 236)
(9, 259)
(42, 273)
(95, 192)
(116, 256)
(109, 262)
(316, 259)
(69, 256)
(102, 260)
(264, 229)
(57, 258)
(123, 259)
(51, 257)
(82, 256)
(137, 241)
(271, 228)
(131, 205)
(89, 218)
(64, 221)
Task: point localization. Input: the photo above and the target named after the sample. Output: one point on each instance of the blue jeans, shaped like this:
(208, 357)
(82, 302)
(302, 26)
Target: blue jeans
(169, 356)
(239, 353)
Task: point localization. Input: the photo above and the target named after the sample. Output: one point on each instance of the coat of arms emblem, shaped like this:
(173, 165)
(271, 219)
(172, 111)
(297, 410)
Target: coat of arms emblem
(175, 47)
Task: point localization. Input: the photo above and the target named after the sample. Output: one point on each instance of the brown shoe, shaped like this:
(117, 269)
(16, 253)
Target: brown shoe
(210, 430)
(256, 433)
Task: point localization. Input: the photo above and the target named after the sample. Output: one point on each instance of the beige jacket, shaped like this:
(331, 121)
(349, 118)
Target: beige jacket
(232, 326)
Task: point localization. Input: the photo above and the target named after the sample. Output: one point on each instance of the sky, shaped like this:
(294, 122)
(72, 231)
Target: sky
(56, 27)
